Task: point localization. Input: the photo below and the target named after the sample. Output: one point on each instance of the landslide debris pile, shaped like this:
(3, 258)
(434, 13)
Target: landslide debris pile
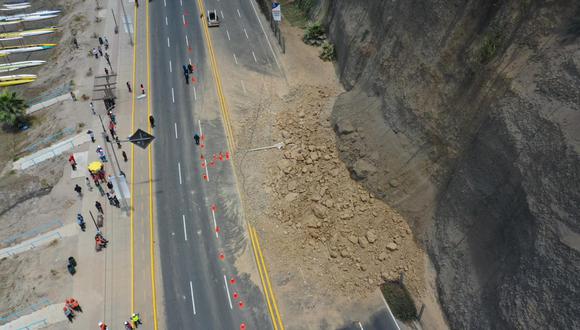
(463, 115)
(357, 241)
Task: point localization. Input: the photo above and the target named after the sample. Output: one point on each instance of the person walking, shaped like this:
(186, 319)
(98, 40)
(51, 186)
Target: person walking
(92, 135)
(110, 198)
(95, 53)
(196, 138)
(125, 158)
(112, 117)
(119, 146)
(100, 49)
(110, 186)
(142, 89)
(99, 207)
(106, 43)
(152, 121)
(106, 71)
(129, 87)
(103, 326)
(75, 42)
(100, 41)
(101, 190)
(107, 58)
(136, 319)
(79, 190)
(92, 107)
(116, 201)
(190, 68)
(72, 162)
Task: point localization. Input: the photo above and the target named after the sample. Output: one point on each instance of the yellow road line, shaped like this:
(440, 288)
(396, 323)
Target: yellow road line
(274, 323)
(218, 83)
(131, 207)
(261, 264)
(264, 268)
(151, 236)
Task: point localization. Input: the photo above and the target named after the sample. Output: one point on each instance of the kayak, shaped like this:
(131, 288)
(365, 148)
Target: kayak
(24, 48)
(16, 79)
(28, 33)
(7, 67)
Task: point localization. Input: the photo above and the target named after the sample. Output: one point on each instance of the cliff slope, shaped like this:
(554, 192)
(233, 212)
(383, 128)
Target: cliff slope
(464, 115)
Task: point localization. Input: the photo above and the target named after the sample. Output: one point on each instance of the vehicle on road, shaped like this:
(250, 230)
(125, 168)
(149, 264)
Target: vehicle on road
(212, 18)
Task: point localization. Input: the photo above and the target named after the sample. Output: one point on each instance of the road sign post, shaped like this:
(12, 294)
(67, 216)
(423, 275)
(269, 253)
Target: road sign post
(276, 11)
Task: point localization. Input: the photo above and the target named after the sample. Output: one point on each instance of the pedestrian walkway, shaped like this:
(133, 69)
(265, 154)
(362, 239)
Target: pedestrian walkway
(49, 102)
(50, 314)
(82, 163)
(50, 152)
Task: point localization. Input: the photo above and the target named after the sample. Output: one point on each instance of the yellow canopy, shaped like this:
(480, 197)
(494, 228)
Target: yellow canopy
(95, 166)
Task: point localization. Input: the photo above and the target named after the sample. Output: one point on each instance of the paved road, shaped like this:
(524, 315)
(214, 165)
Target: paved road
(201, 290)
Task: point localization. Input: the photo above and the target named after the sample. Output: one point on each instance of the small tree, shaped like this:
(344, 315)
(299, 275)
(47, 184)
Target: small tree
(12, 108)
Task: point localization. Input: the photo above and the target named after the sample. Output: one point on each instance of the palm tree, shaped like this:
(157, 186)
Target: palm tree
(12, 108)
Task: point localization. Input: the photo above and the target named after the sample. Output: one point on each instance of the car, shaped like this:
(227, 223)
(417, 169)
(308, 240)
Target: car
(212, 18)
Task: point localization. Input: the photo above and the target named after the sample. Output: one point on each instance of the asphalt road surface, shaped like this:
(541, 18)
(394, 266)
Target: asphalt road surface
(202, 287)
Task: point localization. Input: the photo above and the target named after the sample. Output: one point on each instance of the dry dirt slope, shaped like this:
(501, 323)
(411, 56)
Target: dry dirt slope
(328, 241)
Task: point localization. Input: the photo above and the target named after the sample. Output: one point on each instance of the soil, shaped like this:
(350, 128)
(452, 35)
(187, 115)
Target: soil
(329, 242)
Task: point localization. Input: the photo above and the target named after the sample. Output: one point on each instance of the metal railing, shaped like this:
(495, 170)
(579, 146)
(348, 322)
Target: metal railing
(8, 314)
(29, 245)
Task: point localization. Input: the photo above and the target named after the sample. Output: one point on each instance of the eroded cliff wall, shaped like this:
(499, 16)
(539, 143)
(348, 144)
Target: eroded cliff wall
(465, 116)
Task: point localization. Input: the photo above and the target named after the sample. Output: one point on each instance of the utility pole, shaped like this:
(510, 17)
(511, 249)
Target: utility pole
(115, 19)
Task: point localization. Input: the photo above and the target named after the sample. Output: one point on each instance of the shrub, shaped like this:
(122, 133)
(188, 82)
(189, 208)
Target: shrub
(328, 53)
(399, 300)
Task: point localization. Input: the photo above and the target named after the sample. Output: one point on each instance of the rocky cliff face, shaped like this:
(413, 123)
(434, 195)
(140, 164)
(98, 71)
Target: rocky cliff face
(465, 116)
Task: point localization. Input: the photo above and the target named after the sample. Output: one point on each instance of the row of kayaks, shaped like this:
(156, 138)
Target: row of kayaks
(28, 33)
(18, 79)
(29, 17)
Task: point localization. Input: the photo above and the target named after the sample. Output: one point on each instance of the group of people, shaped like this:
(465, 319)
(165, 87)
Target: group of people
(133, 323)
(187, 69)
(98, 51)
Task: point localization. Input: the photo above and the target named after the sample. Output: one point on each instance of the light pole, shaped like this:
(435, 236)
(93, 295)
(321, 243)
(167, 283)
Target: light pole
(127, 24)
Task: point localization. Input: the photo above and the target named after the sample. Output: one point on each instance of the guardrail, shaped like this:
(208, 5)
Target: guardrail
(33, 232)
(46, 140)
(34, 325)
(28, 246)
(6, 315)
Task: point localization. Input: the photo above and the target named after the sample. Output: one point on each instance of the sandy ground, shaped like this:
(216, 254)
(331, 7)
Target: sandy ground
(44, 193)
(328, 242)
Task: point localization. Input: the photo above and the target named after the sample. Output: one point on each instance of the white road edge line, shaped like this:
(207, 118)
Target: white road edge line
(170, 67)
(390, 313)
(228, 33)
(214, 223)
(179, 169)
(235, 59)
(168, 42)
(240, 15)
(172, 95)
(228, 292)
(194, 94)
(175, 125)
(265, 35)
(192, 300)
(254, 55)
(246, 33)
(243, 86)
(184, 229)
